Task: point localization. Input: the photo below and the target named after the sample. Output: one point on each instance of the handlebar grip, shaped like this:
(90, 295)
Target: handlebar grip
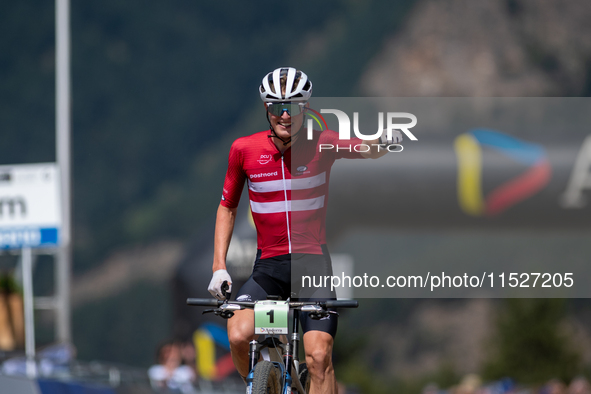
(342, 304)
(204, 302)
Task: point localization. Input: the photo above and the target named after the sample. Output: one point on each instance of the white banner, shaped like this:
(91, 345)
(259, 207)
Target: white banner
(30, 212)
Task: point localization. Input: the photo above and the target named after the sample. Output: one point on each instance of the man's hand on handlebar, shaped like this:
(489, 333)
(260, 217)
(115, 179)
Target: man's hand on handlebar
(220, 285)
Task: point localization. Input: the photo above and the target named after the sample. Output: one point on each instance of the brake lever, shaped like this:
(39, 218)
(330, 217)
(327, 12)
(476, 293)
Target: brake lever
(322, 314)
(225, 314)
(225, 291)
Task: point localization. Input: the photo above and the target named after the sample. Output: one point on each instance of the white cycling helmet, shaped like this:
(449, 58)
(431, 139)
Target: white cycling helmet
(270, 89)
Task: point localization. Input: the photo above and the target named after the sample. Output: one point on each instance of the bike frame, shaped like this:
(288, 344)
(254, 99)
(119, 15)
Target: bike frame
(290, 358)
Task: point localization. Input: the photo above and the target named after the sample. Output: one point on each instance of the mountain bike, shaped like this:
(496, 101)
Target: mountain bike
(280, 371)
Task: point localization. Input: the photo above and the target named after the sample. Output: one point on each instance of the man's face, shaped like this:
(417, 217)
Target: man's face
(284, 124)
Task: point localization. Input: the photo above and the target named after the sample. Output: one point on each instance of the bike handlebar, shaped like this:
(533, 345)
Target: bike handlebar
(342, 304)
(250, 304)
(204, 302)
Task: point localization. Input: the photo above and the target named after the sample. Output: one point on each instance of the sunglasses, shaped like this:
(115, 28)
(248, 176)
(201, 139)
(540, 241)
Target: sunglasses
(292, 109)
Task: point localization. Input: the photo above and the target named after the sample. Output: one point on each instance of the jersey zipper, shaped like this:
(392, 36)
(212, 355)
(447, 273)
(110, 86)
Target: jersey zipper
(286, 203)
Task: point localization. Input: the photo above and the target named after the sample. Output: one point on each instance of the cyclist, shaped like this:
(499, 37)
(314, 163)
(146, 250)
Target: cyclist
(288, 185)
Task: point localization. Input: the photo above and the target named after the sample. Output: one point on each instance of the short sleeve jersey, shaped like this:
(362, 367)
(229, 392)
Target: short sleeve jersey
(288, 191)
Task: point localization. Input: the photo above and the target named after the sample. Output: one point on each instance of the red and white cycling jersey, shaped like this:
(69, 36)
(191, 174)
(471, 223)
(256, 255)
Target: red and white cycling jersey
(288, 192)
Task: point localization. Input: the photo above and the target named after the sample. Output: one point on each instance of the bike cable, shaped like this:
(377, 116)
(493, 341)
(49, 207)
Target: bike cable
(275, 340)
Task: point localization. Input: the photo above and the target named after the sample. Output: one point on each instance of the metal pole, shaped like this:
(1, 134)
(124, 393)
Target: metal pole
(63, 126)
(27, 266)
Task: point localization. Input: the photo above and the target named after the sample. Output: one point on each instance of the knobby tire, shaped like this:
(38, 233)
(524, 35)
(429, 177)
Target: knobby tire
(266, 379)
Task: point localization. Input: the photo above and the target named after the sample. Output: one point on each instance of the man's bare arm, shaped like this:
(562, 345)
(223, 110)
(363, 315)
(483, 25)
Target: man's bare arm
(224, 226)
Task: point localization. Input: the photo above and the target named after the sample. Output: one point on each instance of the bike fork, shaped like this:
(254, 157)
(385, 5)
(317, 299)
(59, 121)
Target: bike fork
(253, 355)
(291, 357)
(295, 342)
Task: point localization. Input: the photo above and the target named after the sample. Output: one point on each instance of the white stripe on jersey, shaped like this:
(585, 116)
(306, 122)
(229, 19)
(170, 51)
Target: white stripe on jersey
(307, 205)
(291, 184)
(308, 183)
(279, 206)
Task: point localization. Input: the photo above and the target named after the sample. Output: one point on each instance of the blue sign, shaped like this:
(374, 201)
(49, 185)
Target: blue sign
(17, 238)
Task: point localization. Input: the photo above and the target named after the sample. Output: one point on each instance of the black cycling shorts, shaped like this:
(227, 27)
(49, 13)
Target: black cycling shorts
(273, 276)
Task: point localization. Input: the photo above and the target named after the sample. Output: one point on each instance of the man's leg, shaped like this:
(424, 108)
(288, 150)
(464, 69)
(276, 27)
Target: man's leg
(318, 346)
(240, 333)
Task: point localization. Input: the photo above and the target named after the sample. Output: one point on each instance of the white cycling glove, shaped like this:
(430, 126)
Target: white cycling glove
(396, 138)
(215, 286)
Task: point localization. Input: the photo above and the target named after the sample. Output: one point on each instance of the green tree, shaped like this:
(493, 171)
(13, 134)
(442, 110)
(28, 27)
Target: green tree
(531, 344)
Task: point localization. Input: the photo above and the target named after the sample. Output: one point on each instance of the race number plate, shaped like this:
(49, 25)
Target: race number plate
(270, 317)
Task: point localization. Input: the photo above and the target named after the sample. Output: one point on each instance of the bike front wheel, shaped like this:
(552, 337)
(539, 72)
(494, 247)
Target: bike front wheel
(266, 379)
